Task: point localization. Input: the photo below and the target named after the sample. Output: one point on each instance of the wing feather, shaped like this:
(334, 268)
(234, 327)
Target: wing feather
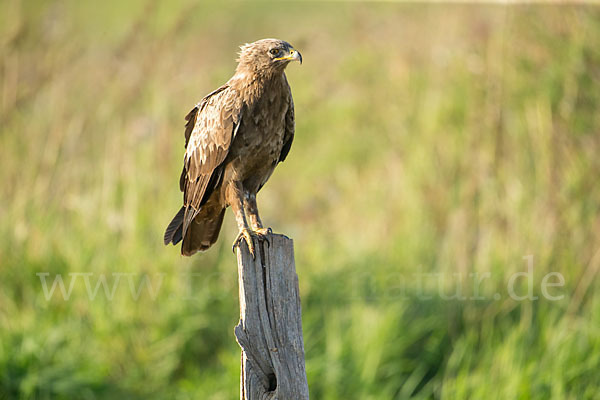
(290, 127)
(209, 132)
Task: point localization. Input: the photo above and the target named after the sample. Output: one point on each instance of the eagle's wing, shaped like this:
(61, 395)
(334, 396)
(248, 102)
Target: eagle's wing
(209, 132)
(290, 127)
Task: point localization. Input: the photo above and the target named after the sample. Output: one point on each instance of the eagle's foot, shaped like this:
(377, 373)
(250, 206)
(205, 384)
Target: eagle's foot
(260, 235)
(248, 236)
(264, 233)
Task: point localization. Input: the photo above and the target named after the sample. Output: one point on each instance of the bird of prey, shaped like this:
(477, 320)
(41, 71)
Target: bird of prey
(234, 139)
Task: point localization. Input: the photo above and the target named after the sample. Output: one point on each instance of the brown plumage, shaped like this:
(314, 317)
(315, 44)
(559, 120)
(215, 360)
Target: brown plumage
(234, 138)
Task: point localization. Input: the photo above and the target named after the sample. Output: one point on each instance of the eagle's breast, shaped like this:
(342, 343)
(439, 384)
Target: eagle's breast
(259, 139)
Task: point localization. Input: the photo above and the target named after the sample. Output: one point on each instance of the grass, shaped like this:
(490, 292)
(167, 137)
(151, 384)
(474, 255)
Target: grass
(447, 140)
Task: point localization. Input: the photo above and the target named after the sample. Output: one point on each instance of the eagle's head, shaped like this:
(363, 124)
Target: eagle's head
(267, 55)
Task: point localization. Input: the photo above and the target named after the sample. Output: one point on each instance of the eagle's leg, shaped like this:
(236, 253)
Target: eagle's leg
(255, 222)
(235, 198)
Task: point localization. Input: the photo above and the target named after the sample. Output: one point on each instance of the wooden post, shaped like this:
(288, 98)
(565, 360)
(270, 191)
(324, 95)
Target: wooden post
(270, 328)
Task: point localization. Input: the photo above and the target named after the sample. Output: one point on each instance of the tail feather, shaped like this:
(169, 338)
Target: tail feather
(203, 231)
(174, 232)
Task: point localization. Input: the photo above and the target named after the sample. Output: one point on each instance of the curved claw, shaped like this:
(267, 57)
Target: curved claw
(247, 235)
(263, 234)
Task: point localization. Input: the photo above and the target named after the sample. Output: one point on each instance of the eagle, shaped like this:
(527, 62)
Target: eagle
(234, 139)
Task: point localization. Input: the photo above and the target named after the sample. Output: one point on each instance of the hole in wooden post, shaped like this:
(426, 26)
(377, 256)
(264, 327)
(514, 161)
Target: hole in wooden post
(272, 382)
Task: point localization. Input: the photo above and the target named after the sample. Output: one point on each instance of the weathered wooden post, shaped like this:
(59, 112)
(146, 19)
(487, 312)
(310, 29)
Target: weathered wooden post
(270, 328)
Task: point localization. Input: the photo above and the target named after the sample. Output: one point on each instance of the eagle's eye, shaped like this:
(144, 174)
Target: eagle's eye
(274, 52)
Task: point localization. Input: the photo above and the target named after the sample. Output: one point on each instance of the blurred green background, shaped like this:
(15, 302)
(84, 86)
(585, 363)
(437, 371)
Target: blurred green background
(448, 140)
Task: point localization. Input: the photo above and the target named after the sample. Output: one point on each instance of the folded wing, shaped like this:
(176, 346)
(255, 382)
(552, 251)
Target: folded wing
(209, 132)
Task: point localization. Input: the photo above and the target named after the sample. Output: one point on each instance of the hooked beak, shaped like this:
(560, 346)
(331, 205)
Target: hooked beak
(293, 56)
(296, 56)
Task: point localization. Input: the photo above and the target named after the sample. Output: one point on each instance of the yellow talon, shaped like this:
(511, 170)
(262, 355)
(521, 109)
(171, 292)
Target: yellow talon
(264, 233)
(247, 235)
